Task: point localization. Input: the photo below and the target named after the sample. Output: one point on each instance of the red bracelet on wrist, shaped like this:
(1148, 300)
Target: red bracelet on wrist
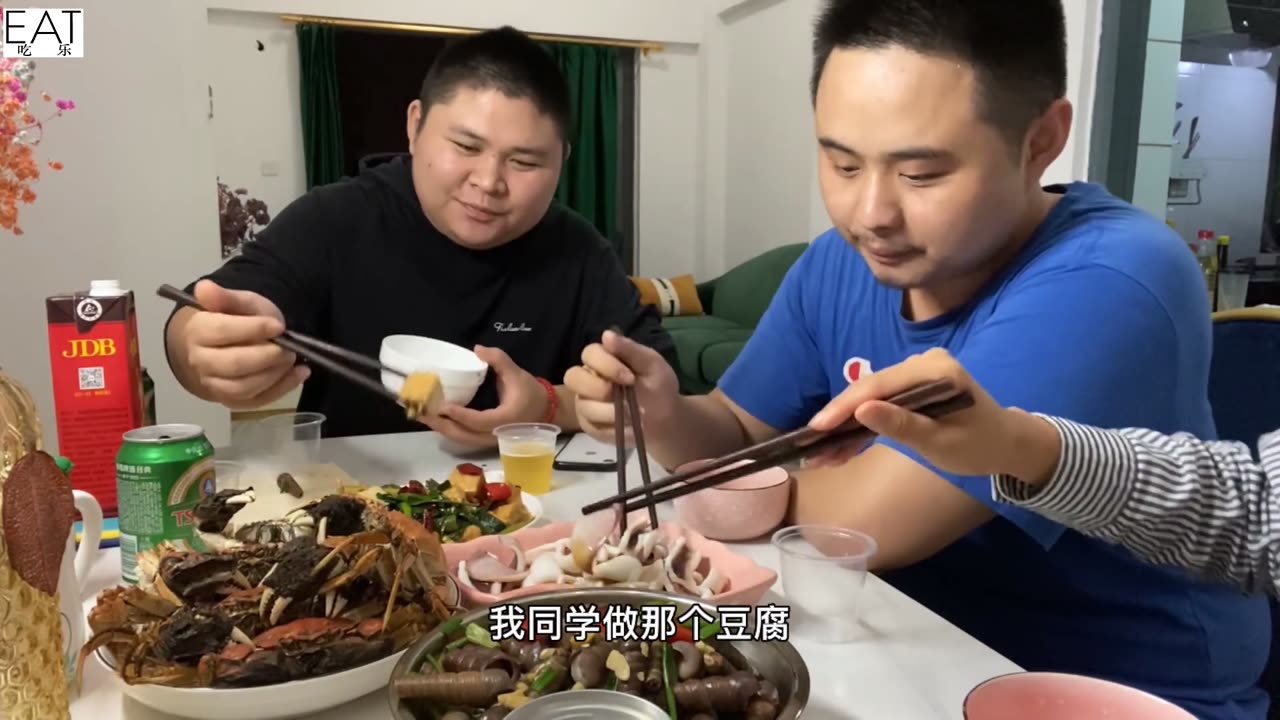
(553, 402)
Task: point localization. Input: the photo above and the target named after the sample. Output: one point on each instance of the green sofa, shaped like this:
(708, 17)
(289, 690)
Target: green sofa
(733, 303)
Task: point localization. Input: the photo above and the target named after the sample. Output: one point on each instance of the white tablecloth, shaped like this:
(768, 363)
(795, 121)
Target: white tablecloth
(908, 664)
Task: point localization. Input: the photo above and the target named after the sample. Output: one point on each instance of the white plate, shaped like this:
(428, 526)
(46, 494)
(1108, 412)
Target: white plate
(531, 503)
(269, 702)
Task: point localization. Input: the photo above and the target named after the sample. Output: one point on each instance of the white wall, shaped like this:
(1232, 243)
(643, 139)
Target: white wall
(1084, 30)
(770, 158)
(257, 117)
(726, 163)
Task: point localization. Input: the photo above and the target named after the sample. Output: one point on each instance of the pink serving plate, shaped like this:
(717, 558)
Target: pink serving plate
(1060, 696)
(747, 581)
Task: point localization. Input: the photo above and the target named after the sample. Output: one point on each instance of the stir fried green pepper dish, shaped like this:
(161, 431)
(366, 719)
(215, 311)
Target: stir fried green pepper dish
(463, 507)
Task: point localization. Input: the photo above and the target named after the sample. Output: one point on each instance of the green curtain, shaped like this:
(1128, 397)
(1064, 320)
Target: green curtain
(321, 116)
(589, 183)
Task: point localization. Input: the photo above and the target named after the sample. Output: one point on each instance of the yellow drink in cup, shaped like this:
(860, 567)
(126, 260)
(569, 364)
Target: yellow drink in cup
(528, 451)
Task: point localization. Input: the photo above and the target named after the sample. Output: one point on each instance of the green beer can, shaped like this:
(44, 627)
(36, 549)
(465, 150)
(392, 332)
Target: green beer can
(162, 473)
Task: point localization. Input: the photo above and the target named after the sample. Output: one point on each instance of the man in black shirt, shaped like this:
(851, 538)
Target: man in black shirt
(459, 241)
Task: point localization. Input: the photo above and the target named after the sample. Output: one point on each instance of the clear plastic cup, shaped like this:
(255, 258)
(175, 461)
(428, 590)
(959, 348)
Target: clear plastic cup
(824, 572)
(528, 451)
(1233, 290)
(228, 474)
(291, 439)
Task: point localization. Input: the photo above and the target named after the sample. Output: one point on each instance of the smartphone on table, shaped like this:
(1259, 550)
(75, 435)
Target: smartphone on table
(583, 453)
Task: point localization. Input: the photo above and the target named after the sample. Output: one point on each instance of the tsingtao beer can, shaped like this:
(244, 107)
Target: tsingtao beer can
(162, 473)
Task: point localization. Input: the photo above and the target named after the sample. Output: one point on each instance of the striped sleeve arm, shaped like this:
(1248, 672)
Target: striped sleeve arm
(1170, 499)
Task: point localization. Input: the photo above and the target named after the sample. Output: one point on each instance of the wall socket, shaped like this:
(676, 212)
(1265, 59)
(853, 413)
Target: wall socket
(270, 168)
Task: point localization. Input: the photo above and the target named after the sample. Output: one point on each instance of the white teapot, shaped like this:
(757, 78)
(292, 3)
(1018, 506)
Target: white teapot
(74, 572)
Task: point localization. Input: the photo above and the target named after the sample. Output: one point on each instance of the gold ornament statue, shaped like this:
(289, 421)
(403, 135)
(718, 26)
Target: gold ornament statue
(20, 431)
(33, 684)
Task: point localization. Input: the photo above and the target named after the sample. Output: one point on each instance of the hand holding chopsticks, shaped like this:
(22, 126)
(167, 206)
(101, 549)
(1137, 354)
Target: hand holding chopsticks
(311, 349)
(933, 400)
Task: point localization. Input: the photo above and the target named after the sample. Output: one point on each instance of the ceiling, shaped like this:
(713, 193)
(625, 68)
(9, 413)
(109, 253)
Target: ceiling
(1259, 20)
(1232, 24)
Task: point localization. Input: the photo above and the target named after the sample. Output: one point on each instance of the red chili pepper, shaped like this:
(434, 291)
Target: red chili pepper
(497, 492)
(470, 469)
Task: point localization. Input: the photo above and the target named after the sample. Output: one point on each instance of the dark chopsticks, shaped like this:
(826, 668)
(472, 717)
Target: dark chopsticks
(309, 348)
(933, 399)
(626, 395)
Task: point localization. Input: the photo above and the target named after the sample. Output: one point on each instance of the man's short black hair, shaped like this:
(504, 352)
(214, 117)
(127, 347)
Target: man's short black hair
(505, 60)
(1017, 48)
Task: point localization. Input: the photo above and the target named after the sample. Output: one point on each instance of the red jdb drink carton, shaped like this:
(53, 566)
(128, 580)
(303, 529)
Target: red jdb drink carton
(97, 381)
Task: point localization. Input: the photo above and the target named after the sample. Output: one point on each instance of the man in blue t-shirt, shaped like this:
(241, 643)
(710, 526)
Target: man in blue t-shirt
(936, 120)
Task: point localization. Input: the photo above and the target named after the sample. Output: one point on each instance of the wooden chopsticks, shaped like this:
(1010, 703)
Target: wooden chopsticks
(310, 348)
(626, 395)
(933, 399)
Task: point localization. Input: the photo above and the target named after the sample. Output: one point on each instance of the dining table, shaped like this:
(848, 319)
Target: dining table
(906, 662)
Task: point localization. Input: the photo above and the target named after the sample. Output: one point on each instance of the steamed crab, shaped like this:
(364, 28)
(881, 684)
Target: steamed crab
(641, 557)
(329, 515)
(261, 614)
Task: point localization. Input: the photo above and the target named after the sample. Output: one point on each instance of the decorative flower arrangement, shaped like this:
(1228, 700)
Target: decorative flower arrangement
(239, 220)
(20, 132)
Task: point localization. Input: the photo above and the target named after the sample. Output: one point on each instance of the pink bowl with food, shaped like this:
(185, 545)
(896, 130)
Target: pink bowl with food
(1059, 696)
(742, 509)
(540, 559)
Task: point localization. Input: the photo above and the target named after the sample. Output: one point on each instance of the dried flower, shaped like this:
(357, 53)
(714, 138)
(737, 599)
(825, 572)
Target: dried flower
(20, 132)
(240, 220)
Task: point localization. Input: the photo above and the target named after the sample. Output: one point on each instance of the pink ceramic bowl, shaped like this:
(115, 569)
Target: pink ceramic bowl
(1058, 696)
(746, 581)
(740, 509)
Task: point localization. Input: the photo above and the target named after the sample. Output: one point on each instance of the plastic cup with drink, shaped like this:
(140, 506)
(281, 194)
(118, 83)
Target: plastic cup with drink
(1233, 290)
(824, 571)
(527, 451)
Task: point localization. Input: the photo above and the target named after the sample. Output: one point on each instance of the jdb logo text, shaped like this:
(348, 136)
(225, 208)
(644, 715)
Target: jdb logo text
(42, 32)
(648, 623)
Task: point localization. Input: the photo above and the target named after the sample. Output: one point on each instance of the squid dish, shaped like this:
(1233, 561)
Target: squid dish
(476, 678)
(641, 557)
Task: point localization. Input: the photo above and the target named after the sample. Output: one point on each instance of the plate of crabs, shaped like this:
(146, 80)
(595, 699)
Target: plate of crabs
(276, 629)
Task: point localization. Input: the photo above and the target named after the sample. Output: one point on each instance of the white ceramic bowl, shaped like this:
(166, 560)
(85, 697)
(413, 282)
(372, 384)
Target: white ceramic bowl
(461, 372)
(269, 702)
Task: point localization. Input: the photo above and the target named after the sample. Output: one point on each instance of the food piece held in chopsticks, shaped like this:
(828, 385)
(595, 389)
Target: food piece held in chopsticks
(421, 394)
